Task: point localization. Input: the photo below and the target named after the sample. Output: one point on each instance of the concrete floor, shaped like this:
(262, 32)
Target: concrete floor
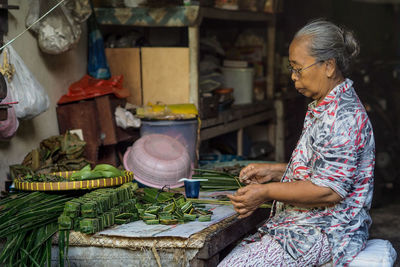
(386, 222)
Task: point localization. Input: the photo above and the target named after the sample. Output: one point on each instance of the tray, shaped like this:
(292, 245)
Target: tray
(73, 185)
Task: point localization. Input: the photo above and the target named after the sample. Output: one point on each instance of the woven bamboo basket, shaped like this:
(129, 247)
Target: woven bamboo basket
(73, 185)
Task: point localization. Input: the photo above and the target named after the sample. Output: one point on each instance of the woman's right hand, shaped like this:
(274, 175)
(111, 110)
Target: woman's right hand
(247, 199)
(258, 173)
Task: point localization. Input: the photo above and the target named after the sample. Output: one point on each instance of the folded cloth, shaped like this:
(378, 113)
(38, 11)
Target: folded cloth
(377, 253)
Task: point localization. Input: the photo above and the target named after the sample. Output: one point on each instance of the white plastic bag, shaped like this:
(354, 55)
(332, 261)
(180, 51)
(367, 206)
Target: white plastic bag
(60, 30)
(24, 88)
(125, 119)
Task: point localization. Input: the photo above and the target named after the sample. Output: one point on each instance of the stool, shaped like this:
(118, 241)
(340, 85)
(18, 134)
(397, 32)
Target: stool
(377, 253)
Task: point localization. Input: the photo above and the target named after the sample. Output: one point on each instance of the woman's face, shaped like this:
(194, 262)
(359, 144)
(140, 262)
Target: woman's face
(308, 75)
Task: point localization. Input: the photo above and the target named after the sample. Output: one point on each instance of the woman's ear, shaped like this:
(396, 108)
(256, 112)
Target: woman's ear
(330, 67)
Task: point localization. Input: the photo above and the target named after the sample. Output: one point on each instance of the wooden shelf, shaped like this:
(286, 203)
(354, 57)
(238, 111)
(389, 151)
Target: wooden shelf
(238, 15)
(236, 118)
(176, 16)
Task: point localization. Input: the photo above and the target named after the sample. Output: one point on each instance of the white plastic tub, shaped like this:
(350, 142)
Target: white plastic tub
(241, 80)
(185, 131)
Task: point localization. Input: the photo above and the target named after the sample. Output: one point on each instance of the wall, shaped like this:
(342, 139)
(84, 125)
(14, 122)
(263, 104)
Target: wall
(375, 25)
(54, 72)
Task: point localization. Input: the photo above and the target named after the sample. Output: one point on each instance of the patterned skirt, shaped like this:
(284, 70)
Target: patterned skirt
(267, 252)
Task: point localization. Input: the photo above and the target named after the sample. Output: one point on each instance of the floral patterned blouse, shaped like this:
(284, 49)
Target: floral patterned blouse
(336, 150)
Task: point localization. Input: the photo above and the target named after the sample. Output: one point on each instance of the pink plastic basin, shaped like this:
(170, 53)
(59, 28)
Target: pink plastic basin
(158, 160)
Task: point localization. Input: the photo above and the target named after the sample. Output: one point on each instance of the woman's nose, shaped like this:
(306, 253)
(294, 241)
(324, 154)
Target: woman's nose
(294, 77)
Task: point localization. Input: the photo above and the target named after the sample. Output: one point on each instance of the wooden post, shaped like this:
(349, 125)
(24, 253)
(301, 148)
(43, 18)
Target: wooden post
(194, 37)
(3, 19)
(240, 142)
(4, 6)
(270, 90)
(271, 60)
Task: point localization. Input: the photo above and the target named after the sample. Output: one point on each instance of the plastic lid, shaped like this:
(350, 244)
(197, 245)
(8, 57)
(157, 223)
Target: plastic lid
(158, 160)
(223, 90)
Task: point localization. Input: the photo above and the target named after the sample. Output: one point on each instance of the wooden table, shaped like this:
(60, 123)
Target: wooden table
(205, 248)
(220, 242)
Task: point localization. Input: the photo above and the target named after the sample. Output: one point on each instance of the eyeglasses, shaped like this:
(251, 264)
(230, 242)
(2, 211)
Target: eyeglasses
(297, 72)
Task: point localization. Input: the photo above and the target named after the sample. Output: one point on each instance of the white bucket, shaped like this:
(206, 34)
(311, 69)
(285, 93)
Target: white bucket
(241, 80)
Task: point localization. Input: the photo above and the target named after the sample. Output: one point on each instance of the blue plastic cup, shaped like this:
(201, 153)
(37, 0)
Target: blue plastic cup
(192, 188)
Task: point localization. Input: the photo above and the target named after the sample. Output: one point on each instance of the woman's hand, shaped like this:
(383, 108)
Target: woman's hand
(298, 193)
(247, 199)
(258, 173)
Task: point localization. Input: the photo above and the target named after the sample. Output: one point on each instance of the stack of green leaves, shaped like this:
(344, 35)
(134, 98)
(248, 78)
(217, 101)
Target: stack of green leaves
(159, 207)
(28, 221)
(100, 209)
(95, 211)
(217, 180)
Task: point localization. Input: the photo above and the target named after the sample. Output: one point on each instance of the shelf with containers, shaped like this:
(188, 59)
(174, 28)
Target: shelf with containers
(157, 78)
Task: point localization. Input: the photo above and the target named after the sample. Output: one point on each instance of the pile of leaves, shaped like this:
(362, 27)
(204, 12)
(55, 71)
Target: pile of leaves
(27, 222)
(233, 170)
(55, 154)
(217, 180)
(43, 178)
(160, 207)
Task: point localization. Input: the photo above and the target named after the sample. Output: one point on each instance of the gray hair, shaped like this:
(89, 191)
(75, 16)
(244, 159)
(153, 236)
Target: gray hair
(330, 41)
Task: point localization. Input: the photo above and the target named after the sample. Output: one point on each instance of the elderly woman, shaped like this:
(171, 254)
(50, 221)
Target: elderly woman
(323, 195)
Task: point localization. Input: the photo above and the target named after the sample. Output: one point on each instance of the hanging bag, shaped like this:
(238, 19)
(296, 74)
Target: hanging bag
(60, 30)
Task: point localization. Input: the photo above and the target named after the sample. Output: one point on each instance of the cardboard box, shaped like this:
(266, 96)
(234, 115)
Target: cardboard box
(126, 62)
(152, 74)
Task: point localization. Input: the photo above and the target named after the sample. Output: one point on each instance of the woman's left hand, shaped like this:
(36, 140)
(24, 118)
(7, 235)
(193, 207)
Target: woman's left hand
(247, 199)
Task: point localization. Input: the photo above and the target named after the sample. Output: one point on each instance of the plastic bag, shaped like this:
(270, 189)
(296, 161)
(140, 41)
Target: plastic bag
(60, 30)
(24, 88)
(125, 119)
(97, 61)
(89, 87)
(9, 126)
